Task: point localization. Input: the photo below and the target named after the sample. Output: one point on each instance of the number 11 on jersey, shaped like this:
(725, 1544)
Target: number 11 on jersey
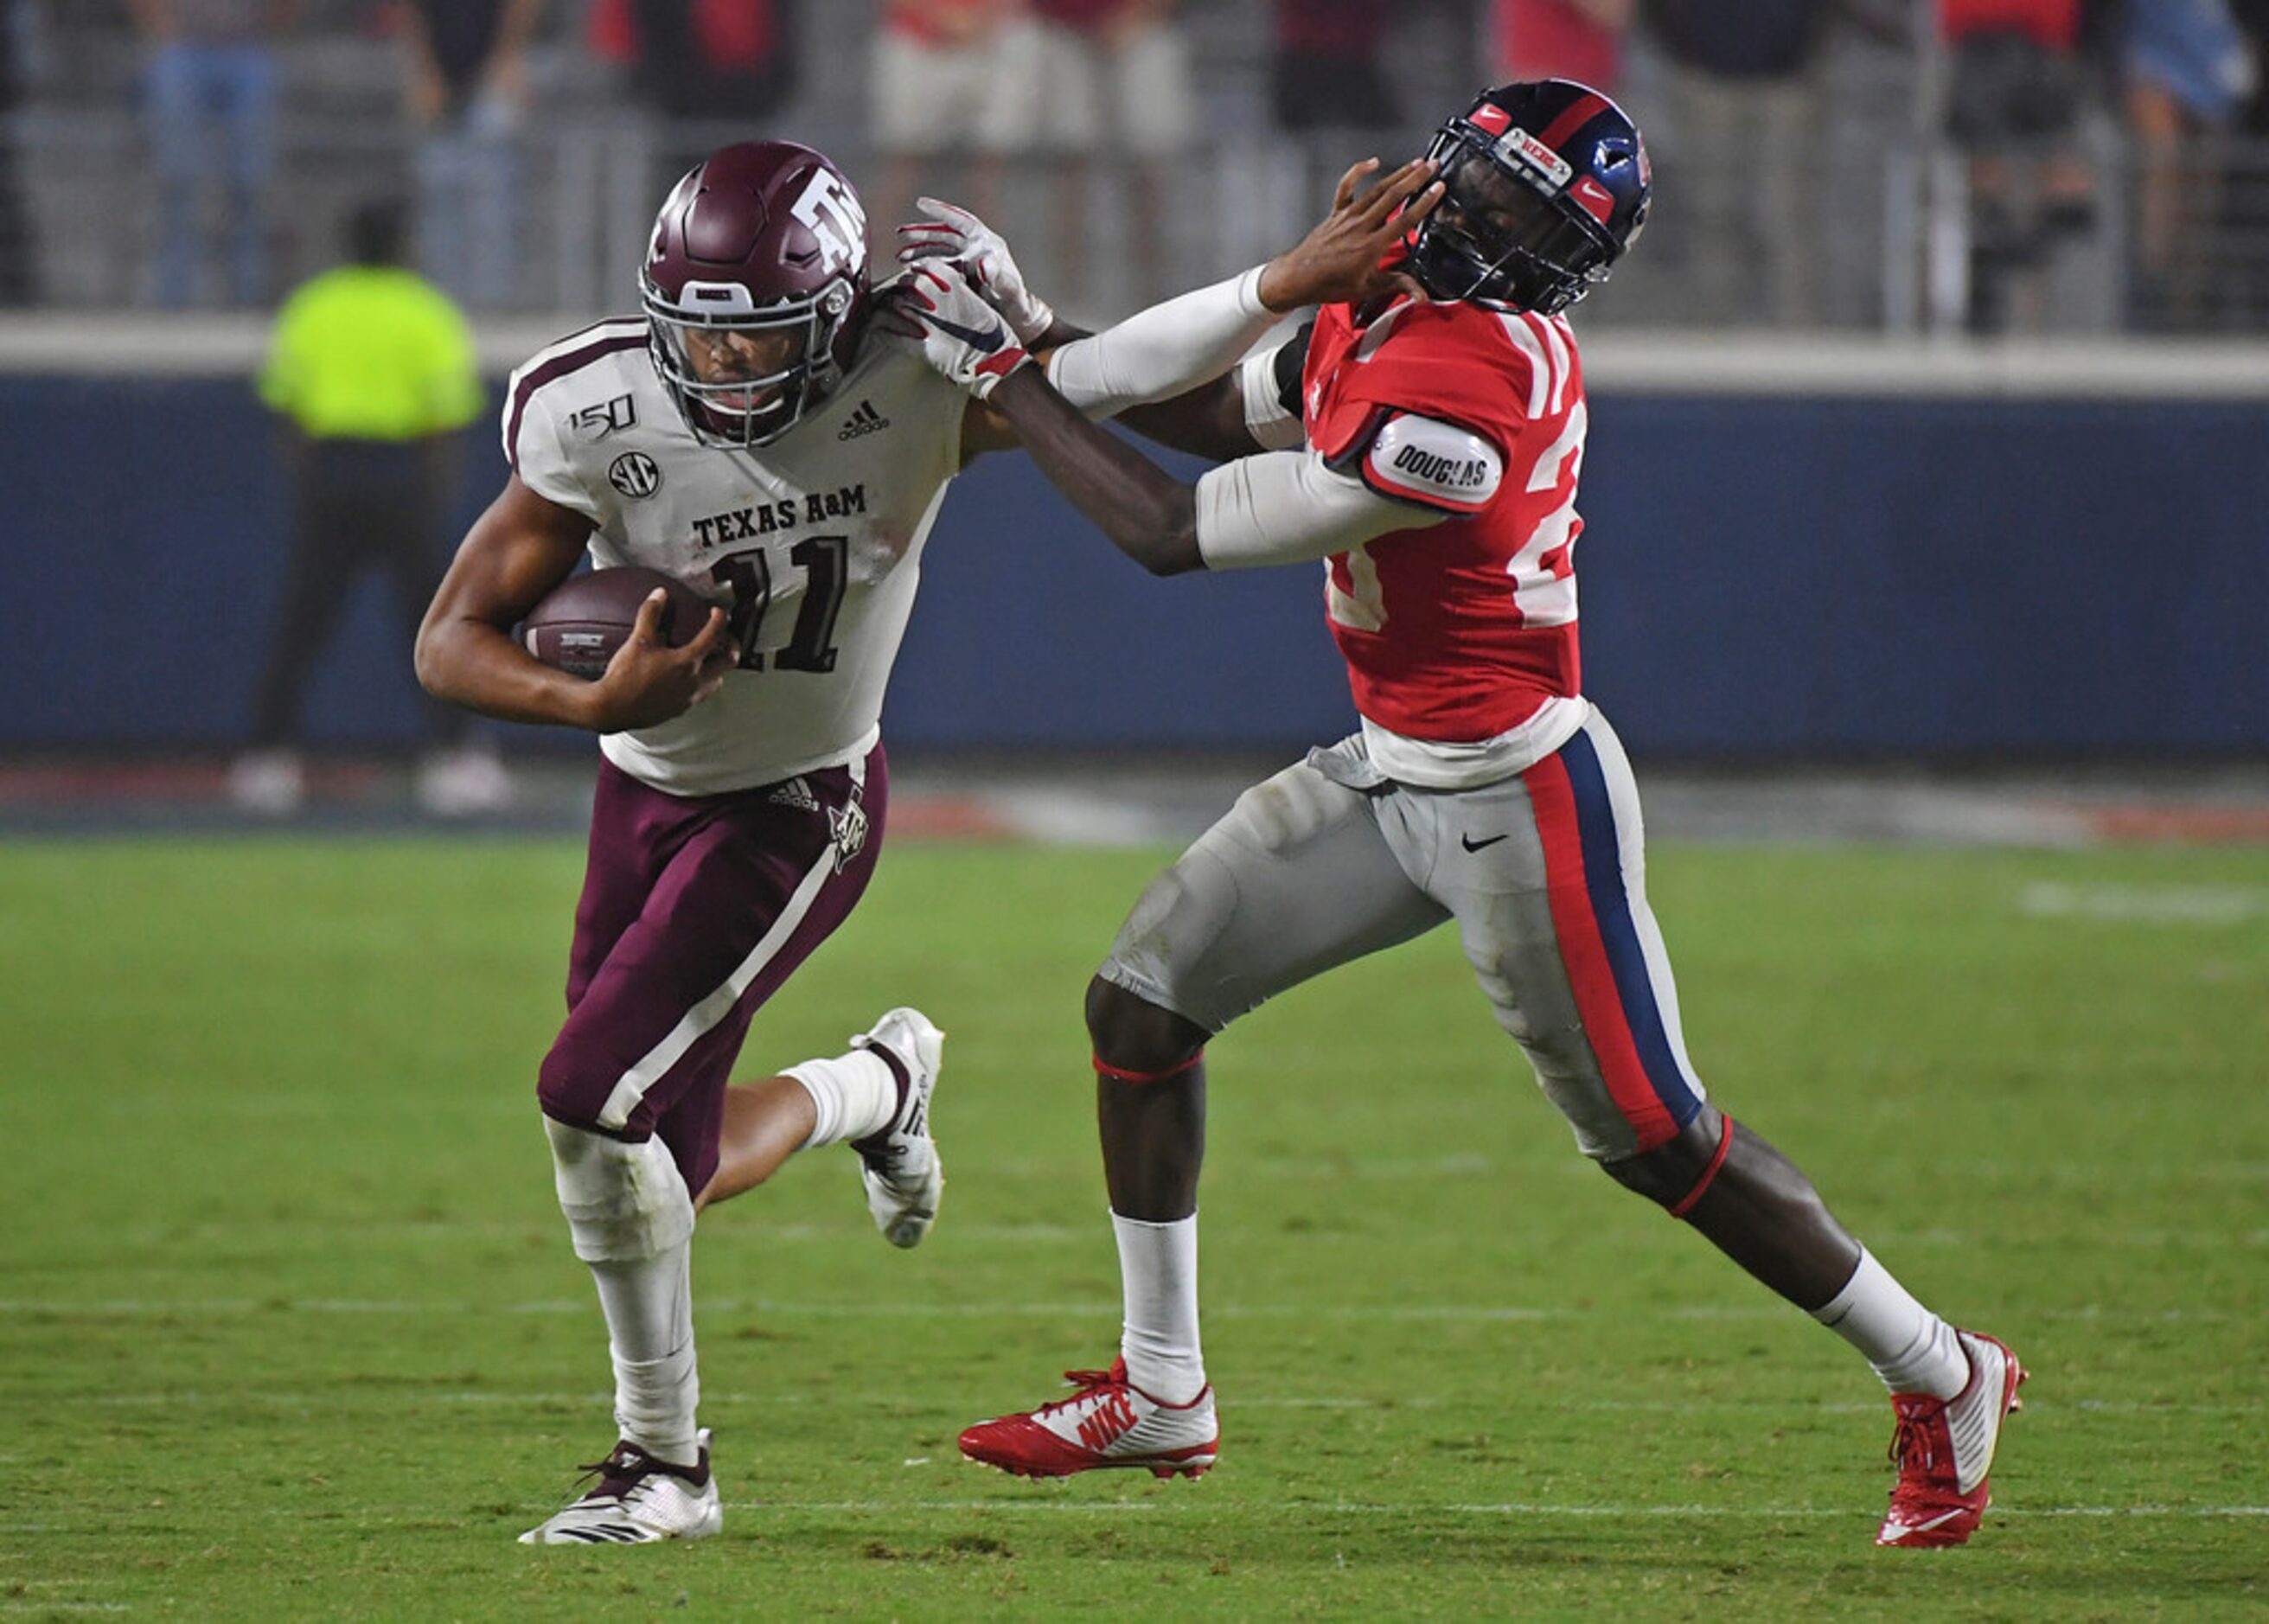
(812, 645)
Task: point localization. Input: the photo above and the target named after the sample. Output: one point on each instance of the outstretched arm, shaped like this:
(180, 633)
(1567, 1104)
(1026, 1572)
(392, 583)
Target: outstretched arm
(1264, 508)
(1147, 513)
(1158, 353)
(1276, 507)
(1175, 360)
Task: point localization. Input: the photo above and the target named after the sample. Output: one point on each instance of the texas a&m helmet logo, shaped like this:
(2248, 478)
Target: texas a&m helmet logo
(833, 214)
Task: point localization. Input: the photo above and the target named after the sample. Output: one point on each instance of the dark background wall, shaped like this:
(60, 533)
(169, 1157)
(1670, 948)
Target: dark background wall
(1780, 578)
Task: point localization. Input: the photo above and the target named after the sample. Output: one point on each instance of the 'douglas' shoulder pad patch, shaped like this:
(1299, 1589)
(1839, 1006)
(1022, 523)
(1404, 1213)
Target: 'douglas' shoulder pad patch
(1435, 464)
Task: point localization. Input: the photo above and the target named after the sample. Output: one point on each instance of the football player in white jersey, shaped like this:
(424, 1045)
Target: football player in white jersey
(1443, 433)
(756, 434)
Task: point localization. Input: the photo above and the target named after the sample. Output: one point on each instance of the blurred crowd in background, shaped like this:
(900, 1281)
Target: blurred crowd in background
(1906, 166)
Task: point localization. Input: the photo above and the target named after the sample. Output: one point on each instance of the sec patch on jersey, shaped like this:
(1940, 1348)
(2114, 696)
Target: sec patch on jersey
(579, 624)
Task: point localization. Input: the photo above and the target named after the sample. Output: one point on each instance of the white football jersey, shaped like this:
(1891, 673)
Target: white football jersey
(812, 544)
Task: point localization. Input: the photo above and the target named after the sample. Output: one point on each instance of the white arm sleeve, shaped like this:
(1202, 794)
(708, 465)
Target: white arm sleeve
(1163, 350)
(1288, 508)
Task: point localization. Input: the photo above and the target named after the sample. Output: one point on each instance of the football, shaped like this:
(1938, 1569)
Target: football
(579, 624)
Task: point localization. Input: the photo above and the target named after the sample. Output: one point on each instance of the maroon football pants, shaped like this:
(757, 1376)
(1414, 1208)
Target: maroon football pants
(695, 909)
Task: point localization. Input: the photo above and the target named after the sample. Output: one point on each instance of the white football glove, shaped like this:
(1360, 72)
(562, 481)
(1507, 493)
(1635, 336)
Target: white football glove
(954, 233)
(962, 337)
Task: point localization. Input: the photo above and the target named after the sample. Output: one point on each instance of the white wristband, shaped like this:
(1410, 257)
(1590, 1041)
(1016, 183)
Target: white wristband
(1248, 294)
(1031, 318)
(1157, 353)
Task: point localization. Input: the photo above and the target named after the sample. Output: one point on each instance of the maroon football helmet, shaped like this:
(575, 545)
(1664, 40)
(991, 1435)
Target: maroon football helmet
(755, 290)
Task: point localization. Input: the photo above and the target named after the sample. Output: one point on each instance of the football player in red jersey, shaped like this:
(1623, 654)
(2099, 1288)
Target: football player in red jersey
(1443, 435)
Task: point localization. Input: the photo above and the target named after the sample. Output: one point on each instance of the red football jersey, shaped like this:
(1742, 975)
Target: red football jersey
(1456, 632)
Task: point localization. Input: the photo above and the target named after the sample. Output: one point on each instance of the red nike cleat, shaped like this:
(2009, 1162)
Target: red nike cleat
(1944, 1448)
(1108, 1422)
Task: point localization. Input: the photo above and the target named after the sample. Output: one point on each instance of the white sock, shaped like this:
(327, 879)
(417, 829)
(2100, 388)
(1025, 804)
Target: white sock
(649, 1308)
(1911, 1348)
(852, 1095)
(1158, 1271)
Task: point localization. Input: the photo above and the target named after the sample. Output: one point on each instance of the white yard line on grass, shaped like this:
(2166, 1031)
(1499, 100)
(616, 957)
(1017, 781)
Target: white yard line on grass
(1187, 1504)
(2145, 905)
(1474, 1313)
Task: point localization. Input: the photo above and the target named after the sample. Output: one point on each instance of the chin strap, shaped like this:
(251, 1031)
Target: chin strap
(1686, 1203)
(1102, 1068)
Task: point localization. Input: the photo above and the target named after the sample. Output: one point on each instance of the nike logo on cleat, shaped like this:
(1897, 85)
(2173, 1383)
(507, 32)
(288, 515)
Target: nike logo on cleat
(1899, 1532)
(1111, 1420)
(1471, 845)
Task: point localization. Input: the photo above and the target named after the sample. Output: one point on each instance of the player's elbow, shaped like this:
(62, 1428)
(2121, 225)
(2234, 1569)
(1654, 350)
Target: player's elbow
(1171, 555)
(429, 658)
(427, 665)
(1167, 543)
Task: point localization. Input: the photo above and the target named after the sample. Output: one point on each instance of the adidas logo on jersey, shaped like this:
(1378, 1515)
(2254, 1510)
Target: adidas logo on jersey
(796, 794)
(865, 420)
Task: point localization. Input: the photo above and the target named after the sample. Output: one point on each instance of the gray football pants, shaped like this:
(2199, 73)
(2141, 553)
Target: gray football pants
(1543, 872)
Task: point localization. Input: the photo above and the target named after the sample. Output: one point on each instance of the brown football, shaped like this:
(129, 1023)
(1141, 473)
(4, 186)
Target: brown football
(580, 623)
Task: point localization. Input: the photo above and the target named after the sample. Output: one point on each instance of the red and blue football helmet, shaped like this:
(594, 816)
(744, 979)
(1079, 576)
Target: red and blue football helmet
(767, 238)
(1545, 185)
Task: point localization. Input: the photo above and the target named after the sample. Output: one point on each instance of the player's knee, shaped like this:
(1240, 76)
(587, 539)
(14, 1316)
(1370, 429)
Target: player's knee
(625, 1200)
(1674, 1172)
(1132, 1034)
(572, 1086)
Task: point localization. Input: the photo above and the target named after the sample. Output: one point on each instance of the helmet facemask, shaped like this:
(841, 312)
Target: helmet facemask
(748, 394)
(1500, 234)
(1545, 186)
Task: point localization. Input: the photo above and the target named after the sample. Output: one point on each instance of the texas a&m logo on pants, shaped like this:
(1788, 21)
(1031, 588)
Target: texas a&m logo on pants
(847, 829)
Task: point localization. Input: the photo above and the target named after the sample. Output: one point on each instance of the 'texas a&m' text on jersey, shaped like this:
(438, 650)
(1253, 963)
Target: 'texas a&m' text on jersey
(812, 544)
(1460, 637)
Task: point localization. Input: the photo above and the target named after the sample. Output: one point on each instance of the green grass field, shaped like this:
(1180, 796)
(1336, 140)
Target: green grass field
(292, 1328)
